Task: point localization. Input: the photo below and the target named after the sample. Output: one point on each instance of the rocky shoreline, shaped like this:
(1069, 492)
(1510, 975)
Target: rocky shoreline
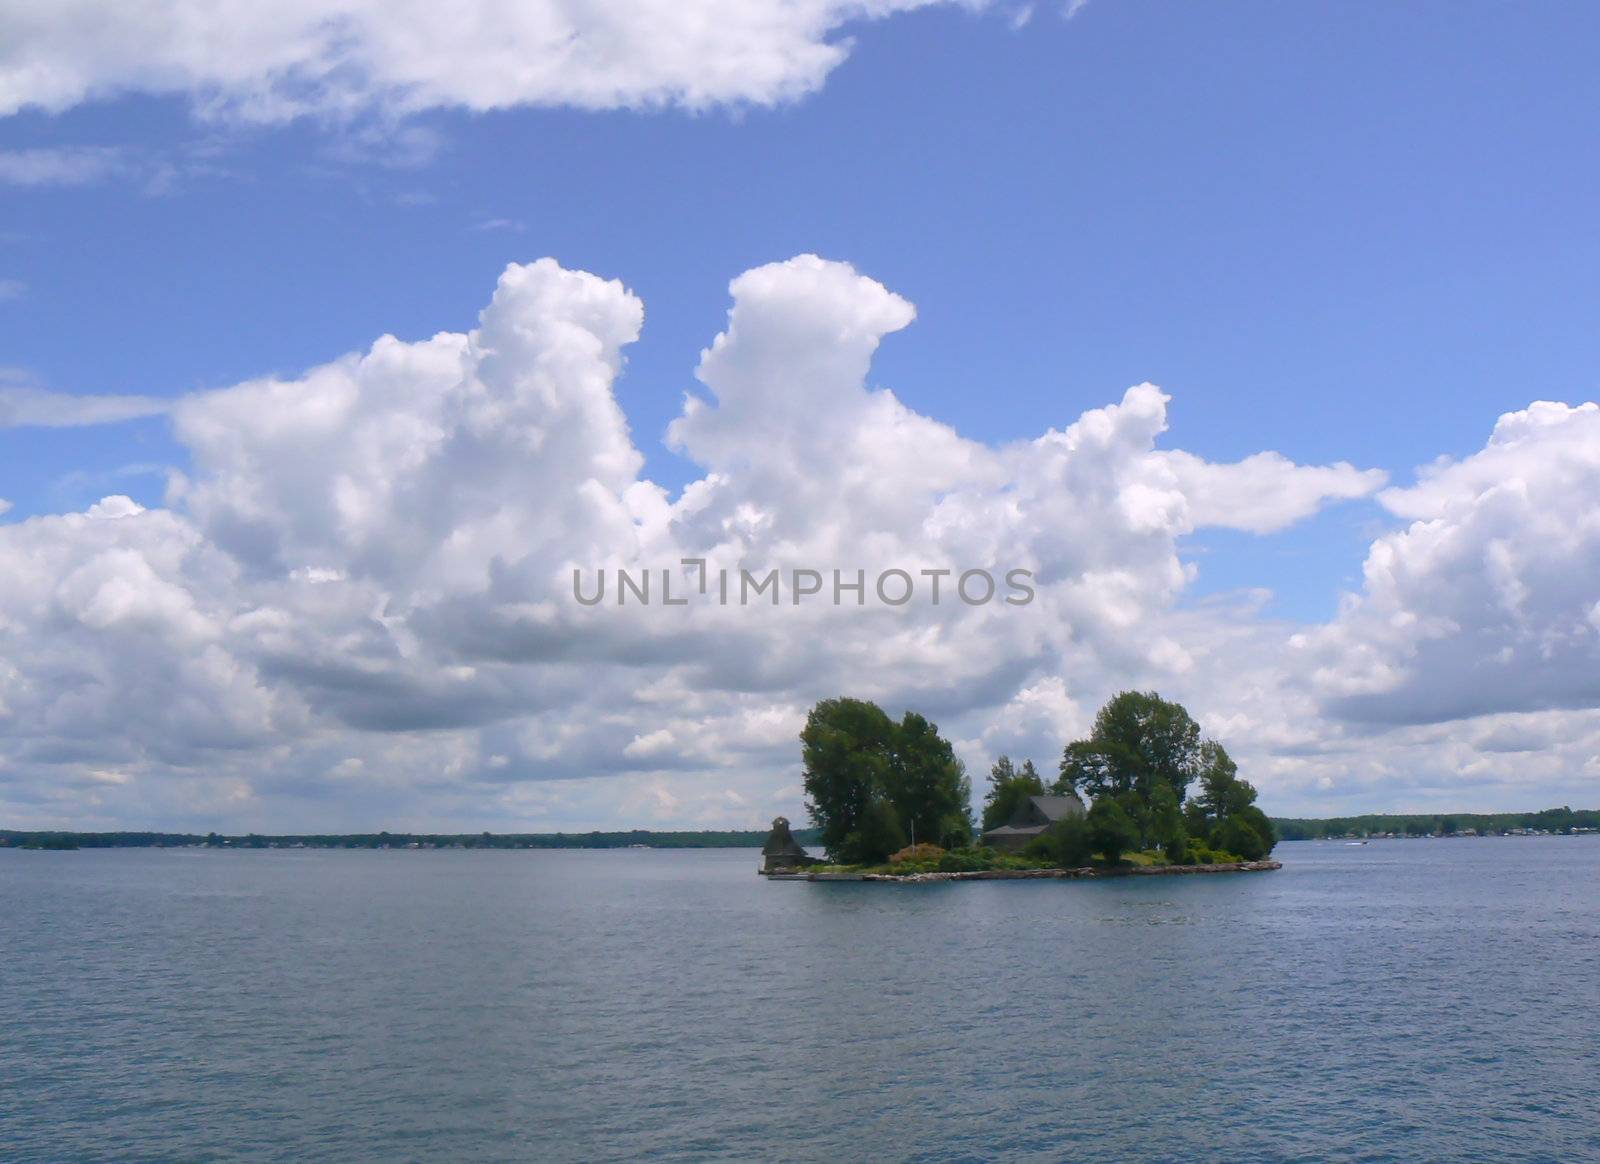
(1029, 874)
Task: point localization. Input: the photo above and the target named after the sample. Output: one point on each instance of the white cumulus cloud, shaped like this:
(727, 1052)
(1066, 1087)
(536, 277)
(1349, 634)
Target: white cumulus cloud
(1485, 601)
(357, 602)
(270, 62)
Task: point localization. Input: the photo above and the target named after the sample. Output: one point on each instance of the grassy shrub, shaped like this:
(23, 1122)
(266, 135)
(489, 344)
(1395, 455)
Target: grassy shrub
(1202, 854)
(970, 860)
(1041, 848)
(917, 854)
(964, 860)
(1111, 832)
(1146, 857)
(1064, 845)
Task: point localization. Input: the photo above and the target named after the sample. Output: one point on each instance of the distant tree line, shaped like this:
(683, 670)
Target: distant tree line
(704, 839)
(1553, 820)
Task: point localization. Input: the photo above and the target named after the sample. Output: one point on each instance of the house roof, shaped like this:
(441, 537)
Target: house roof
(1056, 808)
(1038, 813)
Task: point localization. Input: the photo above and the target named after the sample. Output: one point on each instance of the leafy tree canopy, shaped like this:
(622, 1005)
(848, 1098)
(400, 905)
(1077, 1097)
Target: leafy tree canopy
(1142, 755)
(1111, 832)
(869, 781)
(1138, 741)
(845, 749)
(928, 785)
(1009, 787)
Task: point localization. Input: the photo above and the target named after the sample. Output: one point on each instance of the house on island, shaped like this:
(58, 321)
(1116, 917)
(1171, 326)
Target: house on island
(1032, 818)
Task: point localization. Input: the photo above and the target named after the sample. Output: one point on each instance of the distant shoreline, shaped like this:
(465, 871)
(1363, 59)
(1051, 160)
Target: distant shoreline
(629, 839)
(1372, 826)
(1396, 825)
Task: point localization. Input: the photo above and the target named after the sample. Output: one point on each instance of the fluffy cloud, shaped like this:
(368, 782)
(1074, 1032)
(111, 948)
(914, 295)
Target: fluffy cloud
(278, 61)
(357, 606)
(1489, 600)
(1266, 492)
(114, 626)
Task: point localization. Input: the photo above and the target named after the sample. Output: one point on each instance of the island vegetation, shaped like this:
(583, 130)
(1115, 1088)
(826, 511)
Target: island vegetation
(892, 796)
(874, 785)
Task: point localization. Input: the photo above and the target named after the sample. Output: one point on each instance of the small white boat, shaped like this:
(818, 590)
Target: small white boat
(1355, 842)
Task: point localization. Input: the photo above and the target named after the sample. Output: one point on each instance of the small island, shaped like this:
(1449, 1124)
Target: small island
(1144, 794)
(55, 843)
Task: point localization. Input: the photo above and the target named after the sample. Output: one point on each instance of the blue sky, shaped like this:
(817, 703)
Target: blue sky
(1346, 234)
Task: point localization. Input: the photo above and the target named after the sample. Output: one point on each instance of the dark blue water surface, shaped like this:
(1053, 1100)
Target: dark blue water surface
(1406, 1000)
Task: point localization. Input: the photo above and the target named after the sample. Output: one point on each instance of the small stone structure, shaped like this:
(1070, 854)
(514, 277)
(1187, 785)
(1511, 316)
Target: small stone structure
(782, 851)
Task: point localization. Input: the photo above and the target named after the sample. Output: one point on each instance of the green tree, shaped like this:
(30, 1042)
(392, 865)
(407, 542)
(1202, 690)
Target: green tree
(845, 751)
(1138, 740)
(855, 757)
(1066, 843)
(1143, 754)
(1166, 824)
(1008, 789)
(1261, 825)
(1094, 767)
(1111, 832)
(1235, 835)
(928, 785)
(1225, 801)
(1222, 793)
(875, 837)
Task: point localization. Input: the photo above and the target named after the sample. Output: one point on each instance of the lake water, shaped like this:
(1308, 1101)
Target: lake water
(1400, 1001)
